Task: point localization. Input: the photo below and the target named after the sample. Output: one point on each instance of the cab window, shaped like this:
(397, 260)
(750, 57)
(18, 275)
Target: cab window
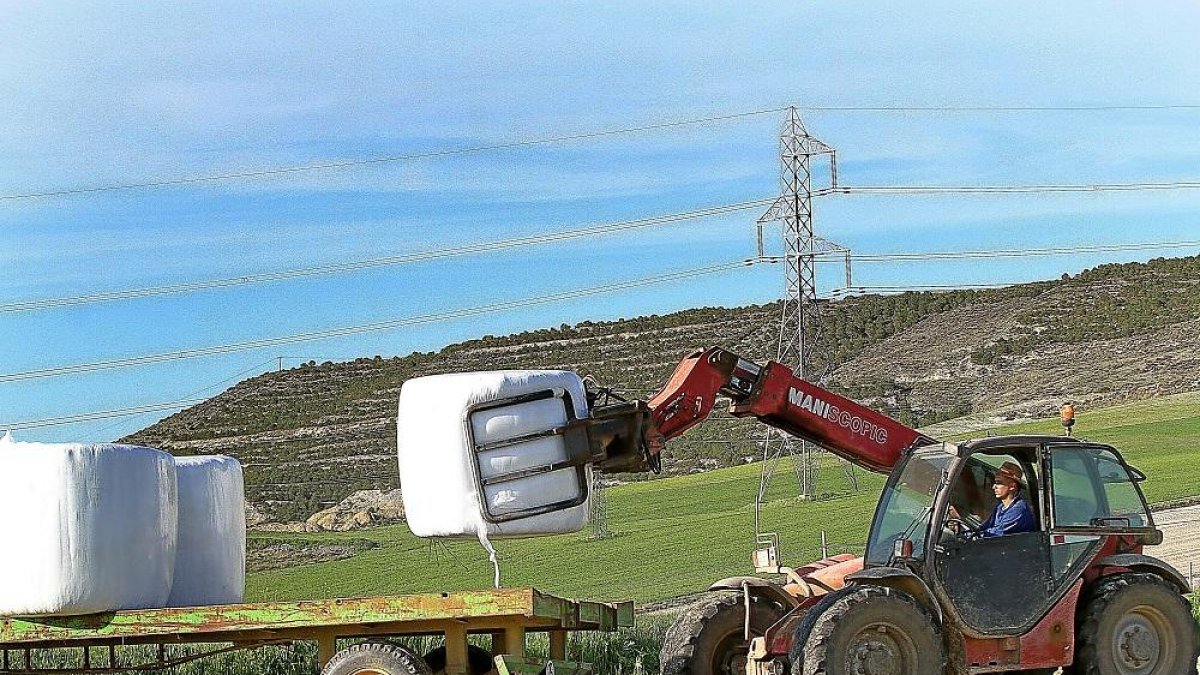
(1093, 489)
(973, 498)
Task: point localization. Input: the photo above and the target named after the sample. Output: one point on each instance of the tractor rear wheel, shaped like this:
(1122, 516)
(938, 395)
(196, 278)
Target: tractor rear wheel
(1135, 624)
(869, 630)
(709, 638)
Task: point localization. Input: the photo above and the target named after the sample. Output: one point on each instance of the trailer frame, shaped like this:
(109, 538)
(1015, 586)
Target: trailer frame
(506, 615)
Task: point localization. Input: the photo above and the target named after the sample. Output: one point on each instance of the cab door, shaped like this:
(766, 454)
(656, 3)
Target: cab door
(997, 586)
(1093, 493)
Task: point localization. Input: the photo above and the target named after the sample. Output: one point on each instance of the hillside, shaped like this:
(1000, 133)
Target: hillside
(311, 435)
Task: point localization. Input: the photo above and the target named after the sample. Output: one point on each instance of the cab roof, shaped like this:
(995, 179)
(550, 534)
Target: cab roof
(1022, 440)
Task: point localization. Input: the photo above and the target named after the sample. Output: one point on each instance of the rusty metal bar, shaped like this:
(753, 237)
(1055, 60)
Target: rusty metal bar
(457, 661)
(113, 667)
(558, 645)
(488, 610)
(514, 639)
(505, 614)
(326, 647)
(498, 644)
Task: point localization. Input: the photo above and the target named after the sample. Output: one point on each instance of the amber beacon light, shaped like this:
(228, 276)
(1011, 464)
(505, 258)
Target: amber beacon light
(1068, 417)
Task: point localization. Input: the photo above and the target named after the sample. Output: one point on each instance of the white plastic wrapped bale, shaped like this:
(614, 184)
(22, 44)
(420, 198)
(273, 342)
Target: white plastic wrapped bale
(86, 528)
(210, 557)
(458, 451)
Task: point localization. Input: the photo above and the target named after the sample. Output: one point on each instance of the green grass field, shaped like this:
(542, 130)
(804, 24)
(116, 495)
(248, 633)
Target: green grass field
(1159, 436)
(676, 536)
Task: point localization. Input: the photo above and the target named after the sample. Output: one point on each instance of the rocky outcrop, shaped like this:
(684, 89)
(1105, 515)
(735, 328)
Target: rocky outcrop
(362, 509)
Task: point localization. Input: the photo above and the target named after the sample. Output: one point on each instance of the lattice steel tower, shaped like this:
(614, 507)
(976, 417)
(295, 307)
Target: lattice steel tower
(799, 326)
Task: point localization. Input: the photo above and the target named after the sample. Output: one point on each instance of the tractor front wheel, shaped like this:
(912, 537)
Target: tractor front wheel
(1135, 624)
(869, 630)
(710, 639)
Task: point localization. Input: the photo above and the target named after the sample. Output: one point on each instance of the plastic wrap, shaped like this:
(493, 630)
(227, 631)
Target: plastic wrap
(86, 528)
(441, 471)
(210, 557)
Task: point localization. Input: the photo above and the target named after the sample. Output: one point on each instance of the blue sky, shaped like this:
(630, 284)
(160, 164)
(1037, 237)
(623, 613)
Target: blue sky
(93, 94)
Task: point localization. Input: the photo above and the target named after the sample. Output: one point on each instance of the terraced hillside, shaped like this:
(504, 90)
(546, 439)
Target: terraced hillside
(311, 435)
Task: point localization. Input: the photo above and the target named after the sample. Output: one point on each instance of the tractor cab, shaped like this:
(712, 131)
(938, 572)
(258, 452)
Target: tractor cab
(1084, 499)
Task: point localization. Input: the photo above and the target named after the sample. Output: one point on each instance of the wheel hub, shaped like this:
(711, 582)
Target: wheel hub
(734, 653)
(1136, 645)
(876, 652)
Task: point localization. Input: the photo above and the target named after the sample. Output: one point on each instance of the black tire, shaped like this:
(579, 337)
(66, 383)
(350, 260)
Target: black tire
(709, 638)
(1135, 624)
(868, 629)
(479, 660)
(374, 658)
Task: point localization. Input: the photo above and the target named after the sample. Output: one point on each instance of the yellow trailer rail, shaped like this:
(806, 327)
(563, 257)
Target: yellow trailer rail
(506, 615)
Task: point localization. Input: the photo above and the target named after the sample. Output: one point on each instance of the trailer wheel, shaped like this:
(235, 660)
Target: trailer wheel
(871, 630)
(374, 658)
(1135, 624)
(479, 660)
(709, 638)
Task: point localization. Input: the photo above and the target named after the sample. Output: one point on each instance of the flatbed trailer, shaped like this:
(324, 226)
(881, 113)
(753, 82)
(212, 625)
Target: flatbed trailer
(506, 615)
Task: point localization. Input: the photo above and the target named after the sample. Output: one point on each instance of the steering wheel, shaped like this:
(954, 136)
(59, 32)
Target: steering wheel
(954, 527)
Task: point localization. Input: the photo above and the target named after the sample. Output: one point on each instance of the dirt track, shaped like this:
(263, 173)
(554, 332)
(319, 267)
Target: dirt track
(1181, 539)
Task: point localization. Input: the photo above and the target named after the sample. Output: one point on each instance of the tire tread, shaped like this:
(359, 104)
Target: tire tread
(401, 656)
(678, 653)
(1096, 604)
(813, 651)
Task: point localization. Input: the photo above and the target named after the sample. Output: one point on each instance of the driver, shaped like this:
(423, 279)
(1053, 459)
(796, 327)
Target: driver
(1012, 514)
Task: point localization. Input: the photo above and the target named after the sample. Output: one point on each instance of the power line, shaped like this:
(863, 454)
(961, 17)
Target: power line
(580, 136)
(993, 253)
(365, 328)
(1006, 189)
(408, 258)
(1022, 253)
(99, 415)
(850, 290)
(50, 303)
(349, 163)
(997, 108)
(182, 402)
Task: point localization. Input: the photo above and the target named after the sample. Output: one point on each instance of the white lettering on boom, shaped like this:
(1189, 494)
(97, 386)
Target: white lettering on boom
(825, 410)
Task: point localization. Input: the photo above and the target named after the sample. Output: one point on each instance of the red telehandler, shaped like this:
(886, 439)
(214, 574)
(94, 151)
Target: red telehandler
(926, 599)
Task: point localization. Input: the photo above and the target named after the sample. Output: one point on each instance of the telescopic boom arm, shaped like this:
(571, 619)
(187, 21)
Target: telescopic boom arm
(776, 396)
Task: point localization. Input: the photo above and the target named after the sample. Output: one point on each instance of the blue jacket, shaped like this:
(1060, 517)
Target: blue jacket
(1017, 518)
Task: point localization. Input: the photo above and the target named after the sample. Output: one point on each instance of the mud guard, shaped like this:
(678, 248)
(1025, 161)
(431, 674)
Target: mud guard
(758, 587)
(901, 580)
(1139, 562)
